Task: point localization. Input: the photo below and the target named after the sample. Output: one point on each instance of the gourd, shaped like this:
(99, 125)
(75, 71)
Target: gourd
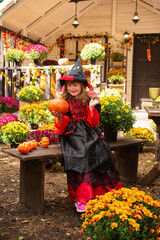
(23, 148)
(44, 142)
(63, 61)
(58, 105)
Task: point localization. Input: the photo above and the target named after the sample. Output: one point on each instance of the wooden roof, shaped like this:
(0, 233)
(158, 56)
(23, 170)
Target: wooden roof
(42, 19)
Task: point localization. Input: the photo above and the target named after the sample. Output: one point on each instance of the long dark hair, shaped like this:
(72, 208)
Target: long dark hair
(83, 96)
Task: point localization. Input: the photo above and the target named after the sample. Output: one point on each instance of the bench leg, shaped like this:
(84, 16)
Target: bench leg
(127, 163)
(32, 184)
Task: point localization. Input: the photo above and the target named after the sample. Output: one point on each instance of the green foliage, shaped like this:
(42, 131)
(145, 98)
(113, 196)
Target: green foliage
(117, 57)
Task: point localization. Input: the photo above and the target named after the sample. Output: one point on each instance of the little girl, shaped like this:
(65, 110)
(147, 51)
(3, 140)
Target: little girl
(87, 156)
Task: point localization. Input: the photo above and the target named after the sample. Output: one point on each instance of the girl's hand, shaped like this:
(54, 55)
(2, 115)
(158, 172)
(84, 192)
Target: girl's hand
(58, 115)
(93, 102)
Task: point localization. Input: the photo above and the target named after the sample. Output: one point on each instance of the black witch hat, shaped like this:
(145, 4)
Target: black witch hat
(75, 74)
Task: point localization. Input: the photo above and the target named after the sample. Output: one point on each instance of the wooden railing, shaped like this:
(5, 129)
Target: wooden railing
(10, 83)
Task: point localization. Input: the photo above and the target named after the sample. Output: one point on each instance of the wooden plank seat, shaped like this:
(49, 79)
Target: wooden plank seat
(32, 168)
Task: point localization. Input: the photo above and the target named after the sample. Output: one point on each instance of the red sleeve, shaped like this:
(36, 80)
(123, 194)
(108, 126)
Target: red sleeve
(93, 117)
(61, 127)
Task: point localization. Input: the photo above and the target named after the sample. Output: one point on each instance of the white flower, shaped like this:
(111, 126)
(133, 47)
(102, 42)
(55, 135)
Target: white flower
(93, 51)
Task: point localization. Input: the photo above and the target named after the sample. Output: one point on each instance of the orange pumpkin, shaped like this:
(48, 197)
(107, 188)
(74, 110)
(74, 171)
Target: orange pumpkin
(44, 142)
(58, 105)
(30, 146)
(34, 144)
(23, 148)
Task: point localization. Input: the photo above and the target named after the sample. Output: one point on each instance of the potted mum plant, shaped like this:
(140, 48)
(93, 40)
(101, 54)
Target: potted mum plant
(37, 53)
(14, 133)
(35, 114)
(141, 133)
(116, 76)
(30, 94)
(123, 214)
(8, 105)
(93, 51)
(117, 58)
(115, 116)
(15, 55)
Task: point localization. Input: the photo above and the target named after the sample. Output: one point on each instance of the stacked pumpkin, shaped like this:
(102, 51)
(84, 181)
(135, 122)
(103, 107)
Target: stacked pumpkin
(26, 147)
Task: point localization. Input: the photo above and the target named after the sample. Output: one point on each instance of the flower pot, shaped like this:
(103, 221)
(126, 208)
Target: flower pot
(23, 103)
(115, 81)
(93, 61)
(18, 64)
(34, 125)
(37, 62)
(117, 64)
(14, 145)
(110, 134)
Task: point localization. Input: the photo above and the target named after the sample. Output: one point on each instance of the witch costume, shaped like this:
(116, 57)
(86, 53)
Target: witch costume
(86, 154)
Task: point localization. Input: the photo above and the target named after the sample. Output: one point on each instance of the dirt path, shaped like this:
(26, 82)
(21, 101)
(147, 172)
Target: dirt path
(60, 220)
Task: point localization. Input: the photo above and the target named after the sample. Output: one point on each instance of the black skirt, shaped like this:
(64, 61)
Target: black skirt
(85, 149)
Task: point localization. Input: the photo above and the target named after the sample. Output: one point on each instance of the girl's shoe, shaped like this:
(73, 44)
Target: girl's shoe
(80, 207)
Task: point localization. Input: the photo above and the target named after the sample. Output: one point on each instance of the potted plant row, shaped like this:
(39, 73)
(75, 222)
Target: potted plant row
(36, 52)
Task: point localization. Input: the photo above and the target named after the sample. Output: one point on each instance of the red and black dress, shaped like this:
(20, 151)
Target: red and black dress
(86, 154)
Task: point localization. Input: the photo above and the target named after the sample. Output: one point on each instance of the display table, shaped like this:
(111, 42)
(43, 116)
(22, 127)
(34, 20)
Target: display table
(154, 173)
(32, 168)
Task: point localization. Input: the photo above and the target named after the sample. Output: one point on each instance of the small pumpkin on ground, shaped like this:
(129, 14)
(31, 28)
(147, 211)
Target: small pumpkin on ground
(44, 142)
(58, 105)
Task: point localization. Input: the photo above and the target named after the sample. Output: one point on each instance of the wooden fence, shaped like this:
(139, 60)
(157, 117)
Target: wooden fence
(10, 83)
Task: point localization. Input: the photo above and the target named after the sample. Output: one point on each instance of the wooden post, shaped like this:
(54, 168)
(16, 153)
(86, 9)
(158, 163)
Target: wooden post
(48, 85)
(127, 162)
(32, 184)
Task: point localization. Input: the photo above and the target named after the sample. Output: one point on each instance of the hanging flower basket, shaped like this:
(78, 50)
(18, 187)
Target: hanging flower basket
(93, 51)
(37, 52)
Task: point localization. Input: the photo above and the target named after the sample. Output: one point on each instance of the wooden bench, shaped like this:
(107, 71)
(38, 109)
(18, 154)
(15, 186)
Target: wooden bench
(32, 168)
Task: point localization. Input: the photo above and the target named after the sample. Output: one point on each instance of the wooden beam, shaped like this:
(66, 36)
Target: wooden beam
(70, 20)
(46, 15)
(114, 17)
(11, 9)
(148, 6)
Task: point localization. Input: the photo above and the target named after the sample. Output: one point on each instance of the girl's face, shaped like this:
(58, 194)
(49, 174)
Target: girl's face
(74, 88)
